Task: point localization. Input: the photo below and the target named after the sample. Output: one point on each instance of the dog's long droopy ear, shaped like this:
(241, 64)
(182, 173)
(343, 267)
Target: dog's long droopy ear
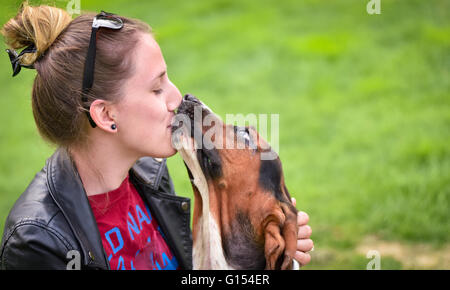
(273, 241)
(289, 233)
(280, 235)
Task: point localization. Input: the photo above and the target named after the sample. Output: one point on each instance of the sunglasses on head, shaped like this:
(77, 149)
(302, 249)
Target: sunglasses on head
(102, 20)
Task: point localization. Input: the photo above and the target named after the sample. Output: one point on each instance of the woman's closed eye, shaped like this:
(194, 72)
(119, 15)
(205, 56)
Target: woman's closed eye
(158, 91)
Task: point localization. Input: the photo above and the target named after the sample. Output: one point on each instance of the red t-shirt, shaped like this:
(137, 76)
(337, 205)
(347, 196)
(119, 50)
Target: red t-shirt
(130, 235)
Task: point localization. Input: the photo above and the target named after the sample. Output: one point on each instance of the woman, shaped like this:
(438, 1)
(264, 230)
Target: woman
(102, 94)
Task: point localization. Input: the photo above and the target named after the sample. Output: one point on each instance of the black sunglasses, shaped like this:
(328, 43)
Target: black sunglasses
(102, 20)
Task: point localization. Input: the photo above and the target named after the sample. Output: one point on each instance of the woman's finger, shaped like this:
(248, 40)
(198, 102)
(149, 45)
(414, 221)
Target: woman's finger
(302, 258)
(305, 245)
(304, 232)
(302, 218)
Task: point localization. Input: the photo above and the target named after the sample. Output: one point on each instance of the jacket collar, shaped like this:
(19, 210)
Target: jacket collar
(67, 191)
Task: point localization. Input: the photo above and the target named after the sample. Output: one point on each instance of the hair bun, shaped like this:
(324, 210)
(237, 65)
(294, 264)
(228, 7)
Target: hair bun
(38, 26)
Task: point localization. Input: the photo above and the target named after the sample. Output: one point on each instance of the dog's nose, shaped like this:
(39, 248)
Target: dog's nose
(191, 98)
(187, 105)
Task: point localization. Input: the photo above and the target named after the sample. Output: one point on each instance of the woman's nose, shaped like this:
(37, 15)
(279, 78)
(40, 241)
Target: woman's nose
(174, 98)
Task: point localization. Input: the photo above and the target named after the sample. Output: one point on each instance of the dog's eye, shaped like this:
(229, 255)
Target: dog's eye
(242, 133)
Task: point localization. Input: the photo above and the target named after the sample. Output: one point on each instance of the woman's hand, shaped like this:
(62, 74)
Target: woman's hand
(304, 243)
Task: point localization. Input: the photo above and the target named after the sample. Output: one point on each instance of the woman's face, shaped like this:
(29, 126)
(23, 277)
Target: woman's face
(144, 114)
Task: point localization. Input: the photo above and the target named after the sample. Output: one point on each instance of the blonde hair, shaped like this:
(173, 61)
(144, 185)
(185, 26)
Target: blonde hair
(35, 25)
(62, 45)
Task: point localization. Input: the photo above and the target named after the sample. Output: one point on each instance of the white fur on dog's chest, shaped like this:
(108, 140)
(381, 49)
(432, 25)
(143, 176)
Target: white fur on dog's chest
(208, 251)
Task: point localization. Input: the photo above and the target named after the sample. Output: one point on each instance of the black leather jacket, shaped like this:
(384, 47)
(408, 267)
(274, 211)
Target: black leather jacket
(53, 216)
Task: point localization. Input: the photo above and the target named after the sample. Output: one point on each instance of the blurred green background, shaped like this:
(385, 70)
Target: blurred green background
(363, 102)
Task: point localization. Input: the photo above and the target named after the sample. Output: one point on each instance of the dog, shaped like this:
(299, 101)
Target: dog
(243, 216)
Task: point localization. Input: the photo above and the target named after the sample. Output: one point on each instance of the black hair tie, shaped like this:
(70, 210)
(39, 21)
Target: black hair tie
(14, 58)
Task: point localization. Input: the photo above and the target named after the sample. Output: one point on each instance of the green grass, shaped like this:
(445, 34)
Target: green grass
(363, 102)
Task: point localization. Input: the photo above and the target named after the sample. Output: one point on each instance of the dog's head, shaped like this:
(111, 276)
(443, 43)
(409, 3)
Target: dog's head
(244, 189)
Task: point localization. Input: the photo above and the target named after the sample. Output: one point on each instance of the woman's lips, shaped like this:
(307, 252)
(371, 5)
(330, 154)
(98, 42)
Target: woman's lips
(171, 121)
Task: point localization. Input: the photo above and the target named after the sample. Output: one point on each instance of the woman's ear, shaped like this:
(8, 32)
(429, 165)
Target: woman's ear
(102, 113)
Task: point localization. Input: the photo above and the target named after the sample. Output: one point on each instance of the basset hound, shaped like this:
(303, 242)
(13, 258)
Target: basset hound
(243, 215)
